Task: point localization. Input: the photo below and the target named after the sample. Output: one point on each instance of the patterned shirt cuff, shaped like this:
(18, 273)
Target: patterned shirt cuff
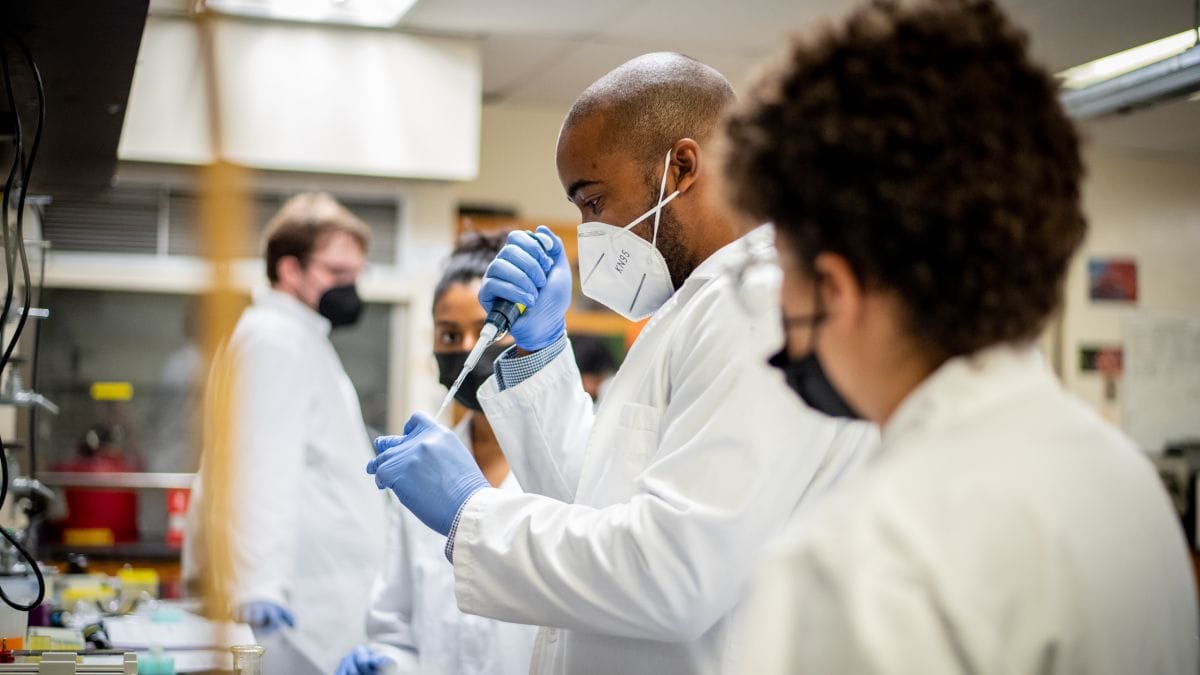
(512, 370)
(454, 530)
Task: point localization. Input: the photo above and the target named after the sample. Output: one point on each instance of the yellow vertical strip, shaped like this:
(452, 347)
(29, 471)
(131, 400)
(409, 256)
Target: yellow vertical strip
(224, 216)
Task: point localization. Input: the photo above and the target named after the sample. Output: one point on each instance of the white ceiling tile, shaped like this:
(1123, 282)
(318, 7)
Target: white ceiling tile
(511, 60)
(562, 81)
(547, 51)
(560, 17)
(584, 63)
(1066, 33)
(749, 26)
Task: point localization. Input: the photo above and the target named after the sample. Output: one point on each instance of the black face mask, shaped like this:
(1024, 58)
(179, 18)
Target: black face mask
(450, 364)
(341, 305)
(807, 378)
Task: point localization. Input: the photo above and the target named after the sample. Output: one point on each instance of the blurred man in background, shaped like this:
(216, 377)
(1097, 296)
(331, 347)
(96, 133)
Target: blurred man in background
(306, 530)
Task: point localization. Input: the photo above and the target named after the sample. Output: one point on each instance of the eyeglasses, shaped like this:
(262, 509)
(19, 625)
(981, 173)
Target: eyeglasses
(805, 320)
(341, 273)
(755, 262)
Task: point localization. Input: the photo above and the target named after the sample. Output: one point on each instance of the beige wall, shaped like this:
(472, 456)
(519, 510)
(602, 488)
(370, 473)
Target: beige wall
(1141, 206)
(516, 163)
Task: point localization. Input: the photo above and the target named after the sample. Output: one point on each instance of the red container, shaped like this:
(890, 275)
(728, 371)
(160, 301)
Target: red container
(98, 509)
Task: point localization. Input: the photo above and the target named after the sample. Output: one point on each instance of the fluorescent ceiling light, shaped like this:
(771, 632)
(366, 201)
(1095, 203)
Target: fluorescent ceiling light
(374, 13)
(1173, 77)
(1127, 61)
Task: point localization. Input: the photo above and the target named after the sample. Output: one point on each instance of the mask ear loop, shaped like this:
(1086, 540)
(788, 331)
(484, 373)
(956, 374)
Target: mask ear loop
(662, 190)
(656, 210)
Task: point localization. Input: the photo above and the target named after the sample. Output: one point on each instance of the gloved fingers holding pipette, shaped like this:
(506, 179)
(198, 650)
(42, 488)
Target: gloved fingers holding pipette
(525, 255)
(534, 261)
(509, 282)
(428, 468)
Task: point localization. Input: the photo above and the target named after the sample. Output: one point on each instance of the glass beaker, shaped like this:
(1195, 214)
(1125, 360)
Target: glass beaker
(247, 659)
(14, 623)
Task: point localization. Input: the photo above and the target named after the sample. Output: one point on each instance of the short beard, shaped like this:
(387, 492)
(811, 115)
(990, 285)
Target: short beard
(674, 251)
(670, 243)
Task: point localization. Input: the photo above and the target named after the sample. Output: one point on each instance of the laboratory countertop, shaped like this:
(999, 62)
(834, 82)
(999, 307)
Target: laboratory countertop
(135, 551)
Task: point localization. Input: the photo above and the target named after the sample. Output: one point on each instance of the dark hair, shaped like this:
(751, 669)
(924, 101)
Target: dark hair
(592, 354)
(472, 254)
(302, 224)
(922, 144)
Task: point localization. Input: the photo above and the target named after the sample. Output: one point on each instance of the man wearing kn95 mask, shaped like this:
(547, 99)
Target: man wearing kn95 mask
(645, 517)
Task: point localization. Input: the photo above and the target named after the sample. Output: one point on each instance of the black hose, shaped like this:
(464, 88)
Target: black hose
(20, 232)
(17, 168)
(26, 166)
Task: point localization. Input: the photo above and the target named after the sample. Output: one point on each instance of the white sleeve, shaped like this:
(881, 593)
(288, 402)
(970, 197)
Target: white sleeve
(542, 424)
(268, 451)
(735, 453)
(390, 612)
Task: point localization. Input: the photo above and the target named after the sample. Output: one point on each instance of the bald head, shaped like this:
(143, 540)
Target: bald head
(612, 155)
(648, 103)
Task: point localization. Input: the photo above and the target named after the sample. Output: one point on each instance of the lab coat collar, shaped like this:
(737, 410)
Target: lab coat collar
(759, 242)
(965, 384)
(290, 306)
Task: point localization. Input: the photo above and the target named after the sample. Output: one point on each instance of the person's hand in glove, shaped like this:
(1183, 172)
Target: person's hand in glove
(265, 617)
(430, 471)
(528, 273)
(363, 661)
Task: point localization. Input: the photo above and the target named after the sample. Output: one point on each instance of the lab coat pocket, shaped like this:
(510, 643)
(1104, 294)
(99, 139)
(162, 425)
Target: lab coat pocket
(639, 425)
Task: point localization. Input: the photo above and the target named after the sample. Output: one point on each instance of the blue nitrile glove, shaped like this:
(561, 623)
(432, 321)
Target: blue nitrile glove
(265, 617)
(525, 273)
(429, 470)
(361, 661)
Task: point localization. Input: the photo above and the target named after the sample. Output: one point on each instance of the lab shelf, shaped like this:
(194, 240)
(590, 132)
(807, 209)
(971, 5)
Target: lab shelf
(124, 480)
(15, 313)
(141, 552)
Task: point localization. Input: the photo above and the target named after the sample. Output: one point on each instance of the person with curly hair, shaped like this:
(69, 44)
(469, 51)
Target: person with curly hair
(925, 187)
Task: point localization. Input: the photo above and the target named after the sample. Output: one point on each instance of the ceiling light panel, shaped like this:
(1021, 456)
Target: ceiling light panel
(372, 13)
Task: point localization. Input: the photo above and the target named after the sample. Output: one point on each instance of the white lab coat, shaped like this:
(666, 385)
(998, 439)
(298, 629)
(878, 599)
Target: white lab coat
(413, 617)
(309, 526)
(651, 513)
(1003, 528)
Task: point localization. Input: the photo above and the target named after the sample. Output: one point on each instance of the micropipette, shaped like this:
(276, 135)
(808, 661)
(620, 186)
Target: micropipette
(499, 320)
